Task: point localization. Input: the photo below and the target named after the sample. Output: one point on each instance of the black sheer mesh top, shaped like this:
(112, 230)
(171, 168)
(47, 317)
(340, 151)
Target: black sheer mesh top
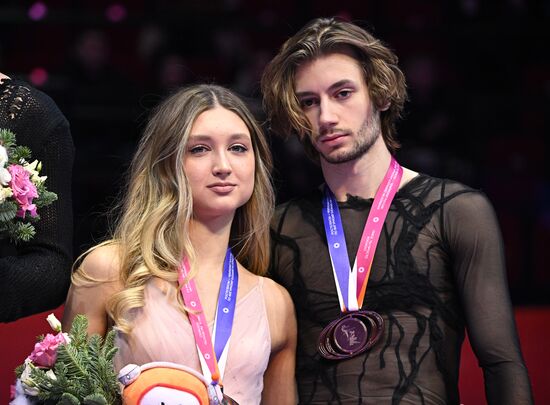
(35, 276)
(438, 268)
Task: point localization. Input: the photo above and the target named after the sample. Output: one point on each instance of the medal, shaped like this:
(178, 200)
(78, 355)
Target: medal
(350, 335)
(212, 352)
(217, 397)
(356, 330)
(228, 401)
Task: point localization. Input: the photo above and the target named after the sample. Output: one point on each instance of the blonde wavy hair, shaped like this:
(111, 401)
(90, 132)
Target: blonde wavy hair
(322, 36)
(152, 231)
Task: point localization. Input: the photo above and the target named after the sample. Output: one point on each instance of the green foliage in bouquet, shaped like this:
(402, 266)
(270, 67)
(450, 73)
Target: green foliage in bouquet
(11, 225)
(20, 231)
(8, 211)
(16, 153)
(83, 372)
(45, 197)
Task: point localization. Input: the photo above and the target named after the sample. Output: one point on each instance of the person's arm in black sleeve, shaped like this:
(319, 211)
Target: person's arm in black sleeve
(35, 275)
(474, 238)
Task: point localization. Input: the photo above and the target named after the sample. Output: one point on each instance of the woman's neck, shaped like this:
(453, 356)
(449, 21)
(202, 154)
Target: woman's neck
(210, 240)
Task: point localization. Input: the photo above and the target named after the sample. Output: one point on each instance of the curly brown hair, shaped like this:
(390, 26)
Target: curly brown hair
(322, 36)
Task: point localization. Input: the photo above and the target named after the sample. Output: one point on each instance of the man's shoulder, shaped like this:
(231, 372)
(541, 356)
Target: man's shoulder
(430, 189)
(454, 198)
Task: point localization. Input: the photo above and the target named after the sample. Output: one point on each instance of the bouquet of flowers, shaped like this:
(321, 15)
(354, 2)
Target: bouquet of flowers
(22, 189)
(69, 369)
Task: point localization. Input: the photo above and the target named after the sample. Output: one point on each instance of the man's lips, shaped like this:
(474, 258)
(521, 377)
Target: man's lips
(332, 137)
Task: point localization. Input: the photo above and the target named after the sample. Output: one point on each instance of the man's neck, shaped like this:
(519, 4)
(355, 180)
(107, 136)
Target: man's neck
(360, 177)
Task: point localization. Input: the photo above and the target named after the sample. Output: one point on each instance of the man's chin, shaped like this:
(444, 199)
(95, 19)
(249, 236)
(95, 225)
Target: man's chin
(339, 157)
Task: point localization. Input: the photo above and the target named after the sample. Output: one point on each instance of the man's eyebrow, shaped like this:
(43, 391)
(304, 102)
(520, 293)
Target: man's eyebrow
(332, 87)
(341, 83)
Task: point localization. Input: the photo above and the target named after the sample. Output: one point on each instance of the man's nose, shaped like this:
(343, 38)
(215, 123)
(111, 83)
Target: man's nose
(327, 114)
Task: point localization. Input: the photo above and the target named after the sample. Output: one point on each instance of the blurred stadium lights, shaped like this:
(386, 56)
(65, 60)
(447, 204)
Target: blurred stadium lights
(116, 12)
(37, 11)
(38, 76)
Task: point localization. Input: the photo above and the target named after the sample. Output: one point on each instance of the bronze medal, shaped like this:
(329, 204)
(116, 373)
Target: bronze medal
(350, 335)
(356, 331)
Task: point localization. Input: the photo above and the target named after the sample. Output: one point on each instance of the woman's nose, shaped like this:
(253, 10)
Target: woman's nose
(222, 165)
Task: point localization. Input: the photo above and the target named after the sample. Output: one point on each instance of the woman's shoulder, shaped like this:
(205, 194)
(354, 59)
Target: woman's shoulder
(277, 299)
(280, 314)
(275, 295)
(102, 262)
(274, 289)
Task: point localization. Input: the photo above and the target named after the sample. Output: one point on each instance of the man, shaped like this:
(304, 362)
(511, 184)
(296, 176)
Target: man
(438, 264)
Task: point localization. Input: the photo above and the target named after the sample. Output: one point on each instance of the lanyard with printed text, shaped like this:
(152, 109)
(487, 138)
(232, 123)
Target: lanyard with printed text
(212, 352)
(351, 283)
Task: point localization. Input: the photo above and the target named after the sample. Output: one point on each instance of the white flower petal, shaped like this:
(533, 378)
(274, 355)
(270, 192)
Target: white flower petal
(54, 322)
(5, 176)
(3, 156)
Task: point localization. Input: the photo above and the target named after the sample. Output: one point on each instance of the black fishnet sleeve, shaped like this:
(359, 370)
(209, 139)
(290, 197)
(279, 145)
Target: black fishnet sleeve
(35, 276)
(473, 235)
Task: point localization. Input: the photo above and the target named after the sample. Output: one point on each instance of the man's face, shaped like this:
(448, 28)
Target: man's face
(335, 99)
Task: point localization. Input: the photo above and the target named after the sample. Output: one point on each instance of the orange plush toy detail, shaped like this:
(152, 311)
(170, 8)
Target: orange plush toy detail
(162, 383)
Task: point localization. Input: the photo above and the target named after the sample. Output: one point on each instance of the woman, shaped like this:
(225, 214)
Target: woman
(199, 183)
(36, 274)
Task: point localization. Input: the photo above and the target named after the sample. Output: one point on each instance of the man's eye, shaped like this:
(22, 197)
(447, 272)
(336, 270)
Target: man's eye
(307, 102)
(344, 93)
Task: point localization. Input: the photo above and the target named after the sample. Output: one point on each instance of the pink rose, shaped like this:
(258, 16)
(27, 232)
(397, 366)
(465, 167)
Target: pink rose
(45, 352)
(23, 190)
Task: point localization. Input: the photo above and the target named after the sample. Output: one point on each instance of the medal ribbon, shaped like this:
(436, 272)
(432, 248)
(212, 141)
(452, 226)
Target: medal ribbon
(351, 283)
(212, 355)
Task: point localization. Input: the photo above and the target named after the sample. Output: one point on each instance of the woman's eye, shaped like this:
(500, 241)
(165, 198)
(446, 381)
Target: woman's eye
(198, 149)
(238, 148)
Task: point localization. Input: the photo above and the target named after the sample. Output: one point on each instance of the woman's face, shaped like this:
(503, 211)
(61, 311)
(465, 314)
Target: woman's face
(219, 163)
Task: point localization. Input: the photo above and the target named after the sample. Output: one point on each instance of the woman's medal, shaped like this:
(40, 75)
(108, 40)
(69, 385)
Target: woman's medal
(212, 354)
(356, 330)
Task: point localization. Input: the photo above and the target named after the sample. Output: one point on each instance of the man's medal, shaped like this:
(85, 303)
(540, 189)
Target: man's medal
(356, 330)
